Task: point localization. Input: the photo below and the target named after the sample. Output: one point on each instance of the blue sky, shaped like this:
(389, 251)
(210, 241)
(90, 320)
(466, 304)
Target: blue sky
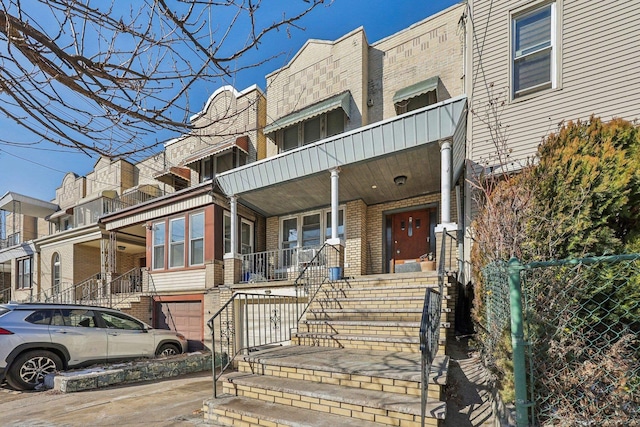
(39, 170)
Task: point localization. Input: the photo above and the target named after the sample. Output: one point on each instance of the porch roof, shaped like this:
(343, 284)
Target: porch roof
(369, 158)
(18, 203)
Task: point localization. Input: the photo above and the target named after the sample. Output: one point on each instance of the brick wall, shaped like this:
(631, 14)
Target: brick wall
(356, 245)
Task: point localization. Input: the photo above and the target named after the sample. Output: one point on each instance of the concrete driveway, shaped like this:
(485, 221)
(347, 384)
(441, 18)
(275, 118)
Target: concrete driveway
(172, 402)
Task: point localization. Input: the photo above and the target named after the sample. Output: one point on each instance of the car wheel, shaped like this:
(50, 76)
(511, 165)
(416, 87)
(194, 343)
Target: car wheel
(29, 369)
(167, 350)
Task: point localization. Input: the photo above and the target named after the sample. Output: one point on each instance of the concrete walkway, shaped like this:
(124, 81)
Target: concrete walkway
(469, 396)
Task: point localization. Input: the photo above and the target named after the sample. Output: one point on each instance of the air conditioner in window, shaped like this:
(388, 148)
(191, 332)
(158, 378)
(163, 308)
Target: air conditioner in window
(305, 256)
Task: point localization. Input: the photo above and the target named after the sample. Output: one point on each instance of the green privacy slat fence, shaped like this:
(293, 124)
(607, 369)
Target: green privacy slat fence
(582, 338)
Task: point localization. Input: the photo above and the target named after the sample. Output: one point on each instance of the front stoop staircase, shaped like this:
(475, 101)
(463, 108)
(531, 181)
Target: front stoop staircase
(354, 361)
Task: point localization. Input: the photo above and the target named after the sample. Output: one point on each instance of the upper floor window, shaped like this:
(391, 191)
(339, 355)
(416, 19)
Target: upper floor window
(311, 130)
(417, 95)
(158, 245)
(24, 273)
(533, 50)
(196, 239)
(176, 242)
(227, 160)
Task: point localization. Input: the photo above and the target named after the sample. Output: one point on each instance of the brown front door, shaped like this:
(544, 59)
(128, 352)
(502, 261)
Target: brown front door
(410, 234)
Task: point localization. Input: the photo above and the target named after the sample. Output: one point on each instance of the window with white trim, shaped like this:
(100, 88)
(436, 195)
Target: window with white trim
(246, 236)
(55, 269)
(158, 245)
(307, 229)
(533, 50)
(176, 242)
(227, 232)
(24, 273)
(196, 239)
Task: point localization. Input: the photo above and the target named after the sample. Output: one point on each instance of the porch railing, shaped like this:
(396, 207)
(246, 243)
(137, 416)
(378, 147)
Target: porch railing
(97, 290)
(249, 321)
(431, 317)
(281, 264)
(5, 295)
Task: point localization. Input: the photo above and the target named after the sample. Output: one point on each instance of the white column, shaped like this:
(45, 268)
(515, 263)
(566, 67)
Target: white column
(334, 240)
(233, 201)
(445, 182)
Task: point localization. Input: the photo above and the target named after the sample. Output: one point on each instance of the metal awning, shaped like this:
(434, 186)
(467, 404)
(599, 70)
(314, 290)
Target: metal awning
(167, 175)
(241, 143)
(18, 203)
(342, 100)
(60, 213)
(369, 158)
(417, 89)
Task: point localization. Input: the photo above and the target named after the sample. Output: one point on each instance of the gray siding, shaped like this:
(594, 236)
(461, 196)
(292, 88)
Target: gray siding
(600, 53)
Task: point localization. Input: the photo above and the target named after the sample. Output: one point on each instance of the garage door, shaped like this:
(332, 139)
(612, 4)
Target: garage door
(187, 318)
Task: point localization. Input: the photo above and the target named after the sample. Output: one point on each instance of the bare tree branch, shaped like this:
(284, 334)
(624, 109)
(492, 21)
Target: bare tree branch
(106, 77)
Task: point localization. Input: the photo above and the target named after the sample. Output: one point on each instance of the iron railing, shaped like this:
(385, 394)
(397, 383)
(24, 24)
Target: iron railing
(5, 295)
(280, 264)
(97, 290)
(249, 321)
(431, 317)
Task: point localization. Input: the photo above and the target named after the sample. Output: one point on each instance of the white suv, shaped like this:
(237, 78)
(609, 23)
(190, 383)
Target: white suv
(38, 339)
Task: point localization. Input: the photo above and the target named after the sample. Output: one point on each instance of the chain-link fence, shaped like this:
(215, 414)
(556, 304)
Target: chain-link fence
(581, 336)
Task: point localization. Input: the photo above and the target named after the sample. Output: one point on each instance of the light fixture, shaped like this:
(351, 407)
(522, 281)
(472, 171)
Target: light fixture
(400, 180)
(121, 248)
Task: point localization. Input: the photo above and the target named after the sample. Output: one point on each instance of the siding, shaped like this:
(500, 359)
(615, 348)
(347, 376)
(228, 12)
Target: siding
(178, 281)
(598, 73)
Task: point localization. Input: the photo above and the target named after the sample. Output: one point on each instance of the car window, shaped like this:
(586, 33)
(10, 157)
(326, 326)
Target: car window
(40, 317)
(3, 310)
(74, 317)
(120, 321)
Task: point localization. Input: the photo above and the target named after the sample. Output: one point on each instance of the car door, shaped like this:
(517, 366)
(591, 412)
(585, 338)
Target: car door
(77, 330)
(127, 338)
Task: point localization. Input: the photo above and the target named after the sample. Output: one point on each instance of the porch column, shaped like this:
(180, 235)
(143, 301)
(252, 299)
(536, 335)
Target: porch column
(445, 182)
(233, 202)
(334, 240)
(232, 261)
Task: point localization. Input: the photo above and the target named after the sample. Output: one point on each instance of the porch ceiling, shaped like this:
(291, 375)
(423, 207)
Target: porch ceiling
(369, 159)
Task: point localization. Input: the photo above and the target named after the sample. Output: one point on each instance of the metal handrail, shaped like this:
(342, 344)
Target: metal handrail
(249, 321)
(430, 321)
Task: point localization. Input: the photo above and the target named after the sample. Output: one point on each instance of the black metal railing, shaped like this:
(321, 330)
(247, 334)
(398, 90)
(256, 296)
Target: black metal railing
(431, 316)
(325, 265)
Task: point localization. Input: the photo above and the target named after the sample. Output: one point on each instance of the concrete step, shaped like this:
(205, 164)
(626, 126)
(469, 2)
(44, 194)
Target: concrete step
(380, 406)
(364, 327)
(363, 342)
(333, 290)
(235, 410)
(382, 371)
(364, 313)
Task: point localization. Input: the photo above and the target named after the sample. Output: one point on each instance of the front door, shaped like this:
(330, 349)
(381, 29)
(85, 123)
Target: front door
(410, 234)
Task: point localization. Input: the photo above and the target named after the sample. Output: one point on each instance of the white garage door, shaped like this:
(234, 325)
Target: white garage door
(184, 317)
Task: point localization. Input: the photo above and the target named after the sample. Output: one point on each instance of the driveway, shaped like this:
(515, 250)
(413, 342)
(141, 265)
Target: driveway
(172, 402)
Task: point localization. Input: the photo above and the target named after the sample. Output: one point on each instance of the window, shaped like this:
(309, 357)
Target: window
(227, 233)
(158, 245)
(196, 239)
(312, 130)
(24, 273)
(176, 243)
(246, 236)
(340, 225)
(227, 160)
(55, 270)
(416, 102)
(120, 321)
(533, 50)
(311, 230)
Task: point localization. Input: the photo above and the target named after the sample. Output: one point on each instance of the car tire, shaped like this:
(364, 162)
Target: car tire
(29, 369)
(167, 349)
